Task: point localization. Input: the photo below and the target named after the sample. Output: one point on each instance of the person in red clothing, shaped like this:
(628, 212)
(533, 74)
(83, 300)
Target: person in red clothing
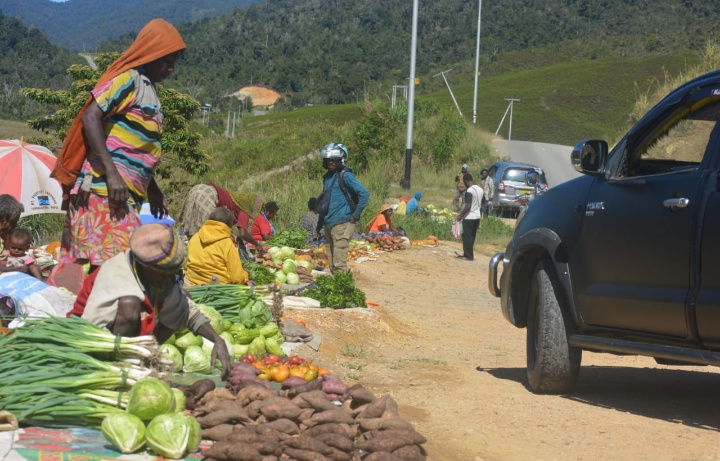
(262, 228)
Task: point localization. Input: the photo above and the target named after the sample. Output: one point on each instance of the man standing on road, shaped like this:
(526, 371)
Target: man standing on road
(460, 187)
(342, 210)
(488, 186)
(470, 216)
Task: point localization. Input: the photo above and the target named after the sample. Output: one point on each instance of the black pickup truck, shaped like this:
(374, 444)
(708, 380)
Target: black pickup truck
(626, 258)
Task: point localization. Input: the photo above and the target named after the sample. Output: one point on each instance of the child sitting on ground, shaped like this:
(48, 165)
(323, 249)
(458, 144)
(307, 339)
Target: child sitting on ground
(16, 253)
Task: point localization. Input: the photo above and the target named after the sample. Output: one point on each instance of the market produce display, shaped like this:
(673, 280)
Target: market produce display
(431, 240)
(191, 353)
(289, 265)
(237, 303)
(386, 243)
(170, 432)
(361, 249)
(337, 291)
(314, 418)
(63, 372)
(288, 238)
(441, 215)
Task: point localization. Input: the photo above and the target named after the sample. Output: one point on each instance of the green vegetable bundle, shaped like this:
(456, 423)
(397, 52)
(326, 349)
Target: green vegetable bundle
(237, 303)
(63, 371)
(336, 291)
(288, 237)
(261, 275)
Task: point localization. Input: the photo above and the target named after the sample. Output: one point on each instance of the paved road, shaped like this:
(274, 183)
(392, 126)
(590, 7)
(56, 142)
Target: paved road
(552, 158)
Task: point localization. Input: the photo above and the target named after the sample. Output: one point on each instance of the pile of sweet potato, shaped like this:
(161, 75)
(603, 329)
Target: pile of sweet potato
(302, 423)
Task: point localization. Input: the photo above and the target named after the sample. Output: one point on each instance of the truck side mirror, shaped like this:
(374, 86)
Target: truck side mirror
(589, 156)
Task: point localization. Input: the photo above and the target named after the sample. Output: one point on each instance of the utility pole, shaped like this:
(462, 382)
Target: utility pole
(411, 102)
(449, 89)
(477, 63)
(509, 109)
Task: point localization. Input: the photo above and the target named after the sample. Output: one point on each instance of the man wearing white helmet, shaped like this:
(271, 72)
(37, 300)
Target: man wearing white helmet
(460, 186)
(340, 204)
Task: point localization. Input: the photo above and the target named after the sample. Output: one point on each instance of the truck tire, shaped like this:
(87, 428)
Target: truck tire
(552, 364)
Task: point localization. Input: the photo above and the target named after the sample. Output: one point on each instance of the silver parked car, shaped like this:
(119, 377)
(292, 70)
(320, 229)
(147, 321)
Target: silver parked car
(510, 183)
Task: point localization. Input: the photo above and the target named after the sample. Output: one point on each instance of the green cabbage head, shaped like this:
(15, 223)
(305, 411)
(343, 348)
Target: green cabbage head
(171, 352)
(124, 431)
(150, 397)
(173, 435)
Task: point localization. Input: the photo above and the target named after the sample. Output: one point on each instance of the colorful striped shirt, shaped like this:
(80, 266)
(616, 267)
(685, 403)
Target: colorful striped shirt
(132, 121)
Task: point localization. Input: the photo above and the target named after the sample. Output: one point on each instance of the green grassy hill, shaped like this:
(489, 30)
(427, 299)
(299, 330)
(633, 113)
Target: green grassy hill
(564, 103)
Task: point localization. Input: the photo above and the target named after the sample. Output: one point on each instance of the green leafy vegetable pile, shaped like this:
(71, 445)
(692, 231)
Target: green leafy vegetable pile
(336, 291)
(261, 275)
(288, 237)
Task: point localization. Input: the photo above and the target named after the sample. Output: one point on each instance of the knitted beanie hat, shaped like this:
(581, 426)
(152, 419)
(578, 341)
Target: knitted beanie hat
(159, 247)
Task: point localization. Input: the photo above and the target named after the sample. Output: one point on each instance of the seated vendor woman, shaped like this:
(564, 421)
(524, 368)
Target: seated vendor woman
(262, 228)
(136, 293)
(382, 222)
(213, 253)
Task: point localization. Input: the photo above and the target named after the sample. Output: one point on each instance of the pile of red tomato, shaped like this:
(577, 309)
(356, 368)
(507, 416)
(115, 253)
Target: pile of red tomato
(278, 369)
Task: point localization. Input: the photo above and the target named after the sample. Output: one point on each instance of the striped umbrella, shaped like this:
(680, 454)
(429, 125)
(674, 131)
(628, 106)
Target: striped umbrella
(25, 174)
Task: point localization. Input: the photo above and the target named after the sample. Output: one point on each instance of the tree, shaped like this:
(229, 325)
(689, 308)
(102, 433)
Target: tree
(182, 159)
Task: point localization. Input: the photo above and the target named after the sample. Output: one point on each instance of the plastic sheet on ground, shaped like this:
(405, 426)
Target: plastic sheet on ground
(72, 444)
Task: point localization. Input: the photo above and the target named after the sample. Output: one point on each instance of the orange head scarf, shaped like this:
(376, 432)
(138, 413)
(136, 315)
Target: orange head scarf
(157, 39)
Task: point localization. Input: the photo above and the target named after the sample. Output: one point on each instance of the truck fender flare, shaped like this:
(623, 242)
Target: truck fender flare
(543, 242)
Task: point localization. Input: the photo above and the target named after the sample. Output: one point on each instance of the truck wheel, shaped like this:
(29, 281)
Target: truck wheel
(552, 364)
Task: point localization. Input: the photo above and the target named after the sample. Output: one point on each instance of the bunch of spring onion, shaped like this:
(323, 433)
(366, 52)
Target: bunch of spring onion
(66, 372)
(83, 336)
(227, 299)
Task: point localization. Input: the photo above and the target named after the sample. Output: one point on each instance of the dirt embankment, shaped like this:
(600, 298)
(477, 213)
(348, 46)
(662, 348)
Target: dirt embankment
(440, 346)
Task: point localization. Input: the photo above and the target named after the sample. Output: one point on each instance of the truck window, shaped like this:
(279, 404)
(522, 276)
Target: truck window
(679, 144)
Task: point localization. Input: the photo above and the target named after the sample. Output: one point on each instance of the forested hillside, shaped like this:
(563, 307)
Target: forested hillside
(331, 51)
(81, 25)
(28, 58)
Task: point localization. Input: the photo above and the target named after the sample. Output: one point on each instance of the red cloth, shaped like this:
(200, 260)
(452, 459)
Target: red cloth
(260, 226)
(405, 199)
(157, 39)
(147, 322)
(225, 200)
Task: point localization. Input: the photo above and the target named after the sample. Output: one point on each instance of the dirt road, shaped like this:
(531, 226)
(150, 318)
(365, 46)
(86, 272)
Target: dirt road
(440, 346)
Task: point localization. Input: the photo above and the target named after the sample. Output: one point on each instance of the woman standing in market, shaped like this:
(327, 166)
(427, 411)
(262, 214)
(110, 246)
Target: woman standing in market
(107, 161)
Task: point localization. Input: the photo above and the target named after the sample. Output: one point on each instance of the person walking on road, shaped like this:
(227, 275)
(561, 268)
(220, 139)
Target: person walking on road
(342, 210)
(470, 217)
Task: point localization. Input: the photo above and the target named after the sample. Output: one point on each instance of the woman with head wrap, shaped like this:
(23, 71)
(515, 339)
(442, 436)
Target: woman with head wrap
(107, 161)
(202, 199)
(136, 292)
(413, 204)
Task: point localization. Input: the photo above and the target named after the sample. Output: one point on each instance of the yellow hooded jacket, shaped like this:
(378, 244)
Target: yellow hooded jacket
(212, 252)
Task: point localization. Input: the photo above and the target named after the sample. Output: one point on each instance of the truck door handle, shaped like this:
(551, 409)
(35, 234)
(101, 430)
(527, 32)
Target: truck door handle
(675, 203)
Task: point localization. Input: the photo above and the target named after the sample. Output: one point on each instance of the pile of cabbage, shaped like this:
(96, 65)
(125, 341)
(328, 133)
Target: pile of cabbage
(191, 353)
(285, 256)
(155, 419)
